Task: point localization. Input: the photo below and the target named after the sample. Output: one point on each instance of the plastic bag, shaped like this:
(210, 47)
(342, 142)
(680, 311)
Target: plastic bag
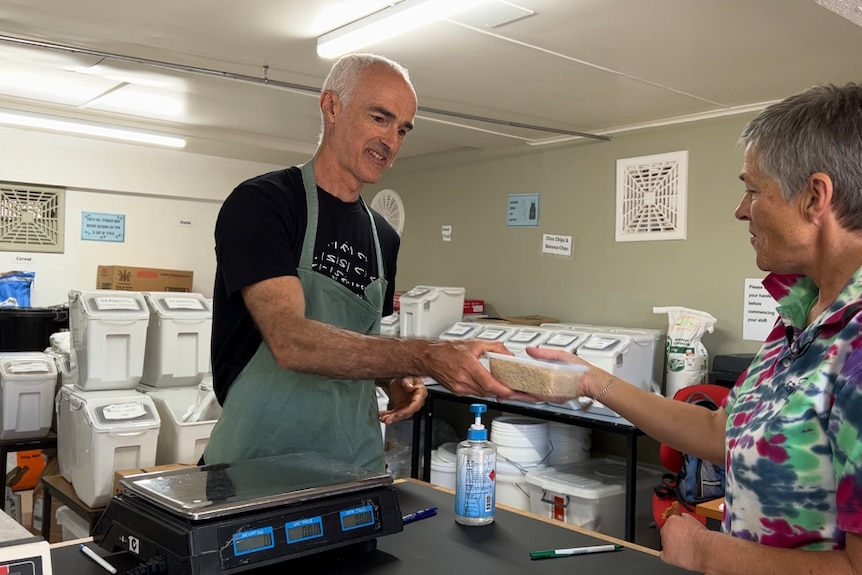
(687, 358)
(15, 288)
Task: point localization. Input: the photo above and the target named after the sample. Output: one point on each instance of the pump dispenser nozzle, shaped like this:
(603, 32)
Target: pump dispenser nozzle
(477, 431)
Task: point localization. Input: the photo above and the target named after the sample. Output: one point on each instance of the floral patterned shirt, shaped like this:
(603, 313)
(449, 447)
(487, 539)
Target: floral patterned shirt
(794, 455)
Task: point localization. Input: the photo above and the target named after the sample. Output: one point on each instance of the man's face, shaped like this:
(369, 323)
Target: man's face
(368, 133)
(775, 225)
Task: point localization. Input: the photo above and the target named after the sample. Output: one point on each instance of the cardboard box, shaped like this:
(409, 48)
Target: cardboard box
(119, 474)
(131, 278)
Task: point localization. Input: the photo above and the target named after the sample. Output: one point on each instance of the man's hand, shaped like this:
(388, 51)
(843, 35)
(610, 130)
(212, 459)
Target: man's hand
(407, 396)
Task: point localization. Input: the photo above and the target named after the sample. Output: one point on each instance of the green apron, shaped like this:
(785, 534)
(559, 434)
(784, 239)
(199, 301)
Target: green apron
(271, 411)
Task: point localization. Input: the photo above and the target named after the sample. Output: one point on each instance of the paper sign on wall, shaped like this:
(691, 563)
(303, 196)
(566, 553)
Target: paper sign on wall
(523, 210)
(103, 227)
(557, 245)
(759, 313)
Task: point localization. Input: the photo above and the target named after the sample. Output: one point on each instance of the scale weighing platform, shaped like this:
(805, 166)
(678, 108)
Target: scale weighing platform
(227, 518)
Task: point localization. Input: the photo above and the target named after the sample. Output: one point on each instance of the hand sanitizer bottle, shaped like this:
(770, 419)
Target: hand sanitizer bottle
(475, 474)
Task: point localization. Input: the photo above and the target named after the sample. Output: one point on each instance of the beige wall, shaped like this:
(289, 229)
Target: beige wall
(604, 282)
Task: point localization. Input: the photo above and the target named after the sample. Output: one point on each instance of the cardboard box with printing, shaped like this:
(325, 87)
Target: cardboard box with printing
(143, 279)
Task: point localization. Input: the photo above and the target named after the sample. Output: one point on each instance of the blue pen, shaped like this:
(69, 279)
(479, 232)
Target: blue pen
(421, 514)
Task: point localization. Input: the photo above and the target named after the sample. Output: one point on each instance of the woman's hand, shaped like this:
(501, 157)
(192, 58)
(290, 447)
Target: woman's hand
(407, 396)
(682, 542)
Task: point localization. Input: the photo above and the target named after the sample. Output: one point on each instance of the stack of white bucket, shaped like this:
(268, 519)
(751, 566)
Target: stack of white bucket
(122, 340)
(569, 443)
(523, 445)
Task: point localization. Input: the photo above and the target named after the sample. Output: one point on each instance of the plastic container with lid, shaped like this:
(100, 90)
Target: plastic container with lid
(114, 430)
(548, 378)
(565, 340)
(188, 415)
(591, 494)
(427, 310)
(28, 381)
(72, 525)
(109, 336)
(179, 331)
(462, 330)
(526, 337)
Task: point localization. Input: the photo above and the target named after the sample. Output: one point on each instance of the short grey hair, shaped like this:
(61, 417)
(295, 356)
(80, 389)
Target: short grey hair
(818, 130)
(343, 77)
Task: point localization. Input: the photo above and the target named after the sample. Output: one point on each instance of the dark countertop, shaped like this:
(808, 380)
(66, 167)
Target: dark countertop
(439, 545)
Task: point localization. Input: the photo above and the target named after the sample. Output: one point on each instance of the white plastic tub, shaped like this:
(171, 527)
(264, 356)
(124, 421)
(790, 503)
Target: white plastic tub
(178, 339)
(591, 494)
(113, 430)
(109, 336)
(72, 526)
(188, 415)
(28, 381)
(443, 462)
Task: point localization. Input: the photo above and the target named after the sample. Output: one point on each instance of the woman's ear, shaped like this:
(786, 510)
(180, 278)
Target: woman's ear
(818, 196)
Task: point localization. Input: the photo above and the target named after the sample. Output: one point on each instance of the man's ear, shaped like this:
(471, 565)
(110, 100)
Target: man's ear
(818, 196)
(329, 105)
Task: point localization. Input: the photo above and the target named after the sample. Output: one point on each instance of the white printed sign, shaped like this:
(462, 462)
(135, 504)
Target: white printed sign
(759, 313)
(558, 245)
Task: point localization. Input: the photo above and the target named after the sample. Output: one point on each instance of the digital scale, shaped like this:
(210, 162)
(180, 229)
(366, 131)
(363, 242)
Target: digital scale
(22, 553)
(228, 518)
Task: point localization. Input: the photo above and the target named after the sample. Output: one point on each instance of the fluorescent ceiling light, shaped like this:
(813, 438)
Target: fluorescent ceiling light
(395, 20)
(84, 128)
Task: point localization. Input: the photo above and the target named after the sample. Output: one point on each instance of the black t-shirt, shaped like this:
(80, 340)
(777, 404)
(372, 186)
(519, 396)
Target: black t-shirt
(259, 234)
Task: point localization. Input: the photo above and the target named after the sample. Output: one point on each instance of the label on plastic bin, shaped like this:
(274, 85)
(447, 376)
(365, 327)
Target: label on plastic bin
(106, 303)
(29, 366)
(491, 333)
(562, 340)
(124, 410)
(459, 330)
(560, 504)
(183, 303)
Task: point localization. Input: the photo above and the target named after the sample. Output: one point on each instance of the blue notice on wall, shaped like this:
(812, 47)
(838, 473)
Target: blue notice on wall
(523, 210)
(103, 227)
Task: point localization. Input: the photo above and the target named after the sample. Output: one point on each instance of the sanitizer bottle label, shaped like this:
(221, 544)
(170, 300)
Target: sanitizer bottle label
(476, 487)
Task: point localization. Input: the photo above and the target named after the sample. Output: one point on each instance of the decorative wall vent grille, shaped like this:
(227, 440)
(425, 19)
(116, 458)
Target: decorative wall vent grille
(31, 218)
(651, 197)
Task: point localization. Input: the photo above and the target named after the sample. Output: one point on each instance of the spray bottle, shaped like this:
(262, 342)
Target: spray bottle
(475, 474)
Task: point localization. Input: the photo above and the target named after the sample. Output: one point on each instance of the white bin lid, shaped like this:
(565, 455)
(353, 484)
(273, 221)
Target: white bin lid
(591, 479)
(112, 304)
(462, 330)
(179, 305)
(565, 339)
(28, 367)
(113, 411)
(600, 345)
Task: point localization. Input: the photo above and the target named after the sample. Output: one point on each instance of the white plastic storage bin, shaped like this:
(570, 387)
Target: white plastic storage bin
(66, 453)
(72, 525)
(28, 381)
(428, 310)
(591, 494)
(526, 337)
(109, 336)
(113, 430)
(178, 339)
(565, 340)
(188, 415)
(462, 330)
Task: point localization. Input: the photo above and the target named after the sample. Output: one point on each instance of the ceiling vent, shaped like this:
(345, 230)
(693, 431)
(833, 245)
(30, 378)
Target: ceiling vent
(31, 218)
(651, 197)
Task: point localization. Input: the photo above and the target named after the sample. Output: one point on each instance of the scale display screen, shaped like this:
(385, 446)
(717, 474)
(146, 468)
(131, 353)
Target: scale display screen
(252, 541)
(304, 529)
(356, 518)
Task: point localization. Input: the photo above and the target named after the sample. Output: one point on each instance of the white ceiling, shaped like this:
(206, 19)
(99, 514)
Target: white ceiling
(595, 66)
